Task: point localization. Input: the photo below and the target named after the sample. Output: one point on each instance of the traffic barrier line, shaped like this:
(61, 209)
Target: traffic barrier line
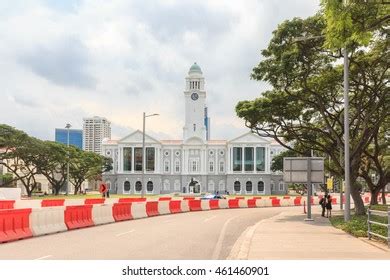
(233, 203)
(52, 202)
(14, 224)
(205, 204)
(276, 202)
(47, 220)
(175, 206)
(132, 199)
(195, 205)
(122, 211)
(164, 198)
(102, 214)
(163, 207)
(214, 204)
(94, 200)
(78, 216)
(251, 203)
(138, 210)
(7, 204)
(152, 208)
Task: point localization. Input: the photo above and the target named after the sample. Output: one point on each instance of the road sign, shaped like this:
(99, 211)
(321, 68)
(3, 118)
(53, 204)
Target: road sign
(103, 188)
(329, 183)
(296, 169)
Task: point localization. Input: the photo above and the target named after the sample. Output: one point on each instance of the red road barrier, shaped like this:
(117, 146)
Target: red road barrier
(214, 204)
(311, 200)
(52, 202)
(188, 198)
(175, 206)
(256, 197)
(94, 201)
(7, 204)
(233, 203)
(152, 208)
(366, 199)
(297, 201)
(14, 224)
(334, 200)
(132, 199)
(343, 199)
(251, 203)
(78, 216)
(195, 205)
(286, 197)
(164, 198)
(239, 197)
(122, 211)
(272, 197)
(275, 202)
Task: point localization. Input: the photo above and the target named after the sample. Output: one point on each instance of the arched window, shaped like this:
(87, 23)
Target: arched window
(167, 185)
(166, 166)
(221, 185)
(138, 186)
(177, 166)
(248, 186)
(149, 186)
(237, 186)
(281, 186)
(260, 186)
(177, 185)
(126, 186)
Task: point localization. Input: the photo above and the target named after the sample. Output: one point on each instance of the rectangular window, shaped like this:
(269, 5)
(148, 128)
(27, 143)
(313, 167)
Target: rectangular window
(127, 159)
(166, 166)
(150, 155)
(194, 166)
(237, 159)
(281, 186)
(138, 159)
(260, 159)
(211, 166)
(221, 166)
(249, 158)
(177, 166)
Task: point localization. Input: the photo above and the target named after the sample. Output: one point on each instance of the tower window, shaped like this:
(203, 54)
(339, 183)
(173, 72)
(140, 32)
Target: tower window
(194, 127)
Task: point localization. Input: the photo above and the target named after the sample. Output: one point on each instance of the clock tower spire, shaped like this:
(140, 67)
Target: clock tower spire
(195, 103)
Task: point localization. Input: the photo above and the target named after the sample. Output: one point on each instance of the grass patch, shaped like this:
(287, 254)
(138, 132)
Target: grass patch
(358, 225)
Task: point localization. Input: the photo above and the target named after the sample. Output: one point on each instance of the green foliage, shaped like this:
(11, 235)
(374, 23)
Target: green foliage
(354, 22)
(277, 161)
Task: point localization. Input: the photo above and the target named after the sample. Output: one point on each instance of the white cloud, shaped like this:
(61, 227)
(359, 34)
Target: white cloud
(61, 61)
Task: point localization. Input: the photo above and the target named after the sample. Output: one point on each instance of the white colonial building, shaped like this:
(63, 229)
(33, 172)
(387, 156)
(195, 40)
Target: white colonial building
(193, 164)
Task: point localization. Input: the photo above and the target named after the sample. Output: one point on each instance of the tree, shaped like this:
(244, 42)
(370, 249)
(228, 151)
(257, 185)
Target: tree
(86, 165)
(304, 108)
(277, 161)
(15, 153)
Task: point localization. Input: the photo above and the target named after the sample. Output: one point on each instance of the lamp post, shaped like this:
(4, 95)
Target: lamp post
(143, 152)
(68, 126)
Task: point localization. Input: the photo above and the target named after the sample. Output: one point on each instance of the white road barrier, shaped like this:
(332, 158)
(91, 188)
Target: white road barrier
(138, 210)
(73, 202)
(184, 206)
(33, 203)
(47, 220)
(102, 214)
(223, 204)
(163, 207)
(205, 204)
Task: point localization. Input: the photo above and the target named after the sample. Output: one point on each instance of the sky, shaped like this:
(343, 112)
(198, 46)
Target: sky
(62, 60)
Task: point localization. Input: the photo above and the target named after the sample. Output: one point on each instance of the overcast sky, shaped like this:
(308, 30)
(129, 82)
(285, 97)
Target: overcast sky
(64, 60)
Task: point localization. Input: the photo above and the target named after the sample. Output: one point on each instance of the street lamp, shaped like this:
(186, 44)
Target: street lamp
(68, 126)
(143, 152)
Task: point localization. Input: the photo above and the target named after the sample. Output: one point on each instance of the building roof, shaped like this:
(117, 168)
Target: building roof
(171, 142)
(217, 142)
(195, 69)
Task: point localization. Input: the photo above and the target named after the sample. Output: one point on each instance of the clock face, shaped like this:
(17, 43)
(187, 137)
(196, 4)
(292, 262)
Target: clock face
(194, 96)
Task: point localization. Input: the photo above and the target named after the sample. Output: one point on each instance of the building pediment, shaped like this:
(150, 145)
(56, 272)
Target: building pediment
(250, 137)
(136, 137)
(194, 141)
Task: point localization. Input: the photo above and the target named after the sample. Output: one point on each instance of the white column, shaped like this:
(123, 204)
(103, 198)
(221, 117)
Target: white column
(242, 160)
(254, 159)
(132, 159)
(216, 163)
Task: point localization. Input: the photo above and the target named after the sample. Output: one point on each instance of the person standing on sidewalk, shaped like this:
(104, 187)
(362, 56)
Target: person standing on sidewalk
(323, 205)
(328, 206)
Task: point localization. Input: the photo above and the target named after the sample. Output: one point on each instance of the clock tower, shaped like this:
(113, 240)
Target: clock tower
(195, 103)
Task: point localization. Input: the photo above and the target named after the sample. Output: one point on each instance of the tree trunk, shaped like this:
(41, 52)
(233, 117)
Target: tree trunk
(384, 195)
(358, 201)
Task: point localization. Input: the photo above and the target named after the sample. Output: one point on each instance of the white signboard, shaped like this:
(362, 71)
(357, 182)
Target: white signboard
(297, 169)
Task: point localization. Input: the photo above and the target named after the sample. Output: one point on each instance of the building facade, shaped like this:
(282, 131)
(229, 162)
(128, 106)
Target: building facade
(95, 129)
(193, 164)
(75, 137)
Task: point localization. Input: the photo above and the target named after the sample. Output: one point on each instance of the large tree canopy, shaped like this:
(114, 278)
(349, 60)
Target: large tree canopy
(305, 106)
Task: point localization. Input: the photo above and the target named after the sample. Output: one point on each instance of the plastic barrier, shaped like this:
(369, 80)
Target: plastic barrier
(102, 214)
(286, 202)
(163, 207)
(286, 197)
(334, 200)
(272, 197)
(256, 197)
(205, 204)
(223, 204)
(275, 202)
(242, 203)
(185, 207)
(164, 198)
(233, 203)
(214, 204)
(263, 202)
(47, 220)
(94, 201)
(251, 203)
(175, 206)
(188, 198)
(122, 211)
(138, 210)
(74, 202)
(79, 216)
(28, 203)
(132, 199)
(152, 208)
(297, 201)
(239, 197)
(14, 224)
(367, 199)
(7, 204)
(52, 202)
(195, 205)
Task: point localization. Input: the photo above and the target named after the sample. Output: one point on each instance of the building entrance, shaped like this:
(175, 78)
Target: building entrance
(194, 187)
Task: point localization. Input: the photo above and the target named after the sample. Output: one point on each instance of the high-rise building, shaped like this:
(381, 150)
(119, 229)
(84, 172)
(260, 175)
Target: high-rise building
(95, 129)
(75, 137)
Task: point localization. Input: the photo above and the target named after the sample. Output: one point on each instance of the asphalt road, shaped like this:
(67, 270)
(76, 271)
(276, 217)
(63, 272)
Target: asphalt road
(192, 235)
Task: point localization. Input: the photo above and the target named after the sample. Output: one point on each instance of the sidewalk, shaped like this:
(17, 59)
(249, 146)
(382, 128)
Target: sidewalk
(288, 236)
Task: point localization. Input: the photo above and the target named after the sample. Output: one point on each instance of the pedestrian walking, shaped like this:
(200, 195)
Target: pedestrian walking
(328, 206)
